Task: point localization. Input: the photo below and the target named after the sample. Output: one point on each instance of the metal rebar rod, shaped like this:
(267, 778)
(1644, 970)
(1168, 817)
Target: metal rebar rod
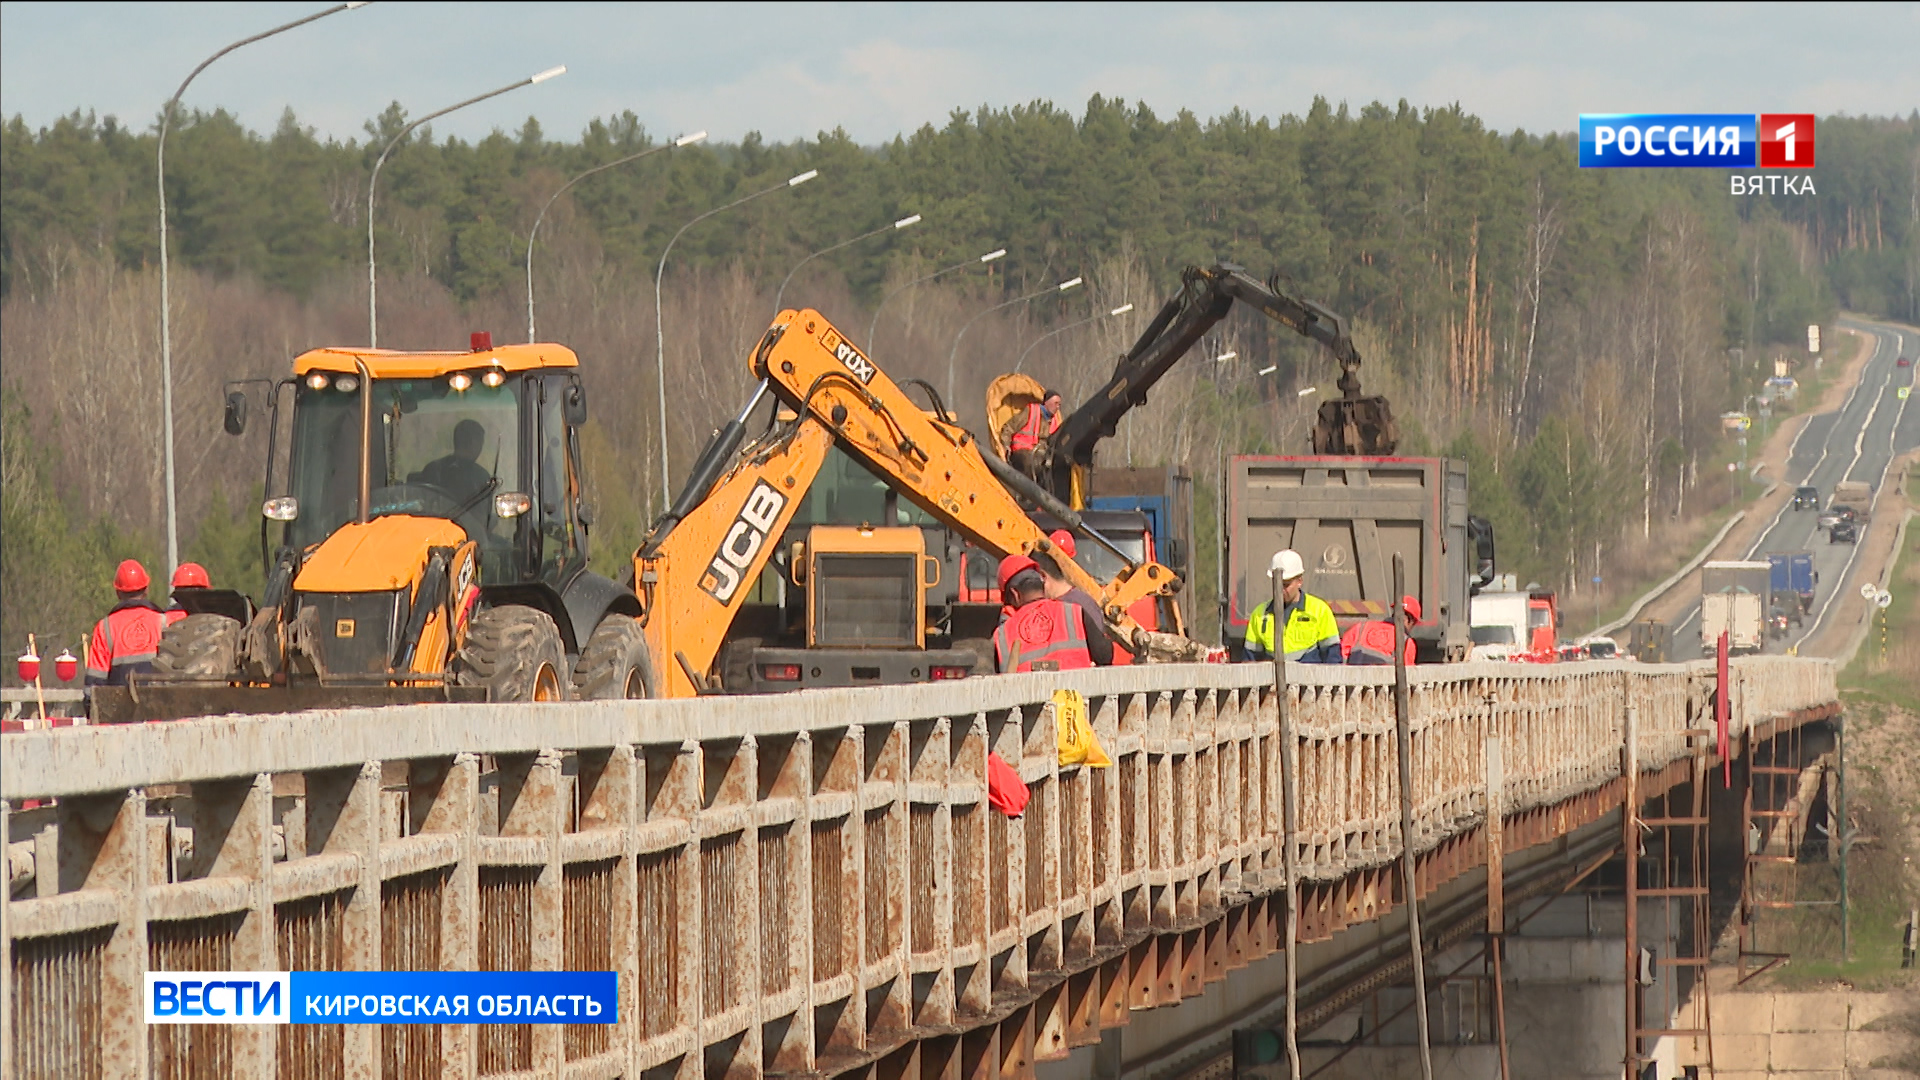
(1403, 725)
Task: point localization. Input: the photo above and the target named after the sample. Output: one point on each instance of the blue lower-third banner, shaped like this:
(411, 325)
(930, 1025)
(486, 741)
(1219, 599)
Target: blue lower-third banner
(382, 997)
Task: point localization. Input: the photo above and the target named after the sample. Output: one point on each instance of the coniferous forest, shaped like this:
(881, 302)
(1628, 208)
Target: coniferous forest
(1574, 334)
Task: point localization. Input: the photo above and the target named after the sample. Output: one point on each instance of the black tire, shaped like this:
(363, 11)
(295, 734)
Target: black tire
(516, 653)
(736, 665)
(615, 664)
(200, 647)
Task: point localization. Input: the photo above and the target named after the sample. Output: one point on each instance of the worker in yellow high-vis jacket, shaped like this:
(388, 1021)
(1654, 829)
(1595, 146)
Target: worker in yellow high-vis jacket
(1309, 634)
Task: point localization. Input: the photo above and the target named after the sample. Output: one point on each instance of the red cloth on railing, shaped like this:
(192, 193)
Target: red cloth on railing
(1005, 790)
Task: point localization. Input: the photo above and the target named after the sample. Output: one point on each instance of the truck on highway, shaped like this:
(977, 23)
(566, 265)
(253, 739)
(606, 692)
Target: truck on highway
(1734, 597)
(1348, 517)
(1792, 580)
(1515, 624)
(1855, 494)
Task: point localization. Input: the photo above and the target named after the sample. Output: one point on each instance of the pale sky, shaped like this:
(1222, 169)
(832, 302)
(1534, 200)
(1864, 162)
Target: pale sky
(792, 70)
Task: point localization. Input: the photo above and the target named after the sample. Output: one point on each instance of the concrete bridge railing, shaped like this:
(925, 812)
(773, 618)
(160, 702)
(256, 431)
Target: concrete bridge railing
(804, 884)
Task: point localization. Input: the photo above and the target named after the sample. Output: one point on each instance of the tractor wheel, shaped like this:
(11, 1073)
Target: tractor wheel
(516, 653)
(736, 665)
(201, 647)
(615, 663)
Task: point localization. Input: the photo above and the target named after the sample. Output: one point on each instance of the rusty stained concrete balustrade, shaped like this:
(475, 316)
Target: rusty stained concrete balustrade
(803, 883)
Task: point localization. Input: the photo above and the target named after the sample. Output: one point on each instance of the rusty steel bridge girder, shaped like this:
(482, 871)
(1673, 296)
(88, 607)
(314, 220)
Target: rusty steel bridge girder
(812, 884)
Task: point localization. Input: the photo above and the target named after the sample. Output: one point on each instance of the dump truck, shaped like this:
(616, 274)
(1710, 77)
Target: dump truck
(1856, 494)
(1348, 517)
(1734, 597)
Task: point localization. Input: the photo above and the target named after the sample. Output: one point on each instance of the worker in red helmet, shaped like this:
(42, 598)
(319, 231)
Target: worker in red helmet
(1099, 645)
(191, 575)
(1371, 642)
(128, 639)
(1041, 634)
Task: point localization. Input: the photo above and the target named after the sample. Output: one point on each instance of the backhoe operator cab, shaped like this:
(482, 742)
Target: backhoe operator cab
(428, 533)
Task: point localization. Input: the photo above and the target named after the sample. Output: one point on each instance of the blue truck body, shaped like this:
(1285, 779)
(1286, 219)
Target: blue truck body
(1793, 575)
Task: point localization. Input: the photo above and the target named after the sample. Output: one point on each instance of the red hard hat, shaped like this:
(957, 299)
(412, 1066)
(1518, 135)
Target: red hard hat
(1012, 565)
(131, 577)
(1063, 540)
(191, 575)
(1410, 605)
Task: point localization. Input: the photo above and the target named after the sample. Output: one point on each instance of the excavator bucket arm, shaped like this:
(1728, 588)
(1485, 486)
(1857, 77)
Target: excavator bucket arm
(933, 461)
(1354, 424)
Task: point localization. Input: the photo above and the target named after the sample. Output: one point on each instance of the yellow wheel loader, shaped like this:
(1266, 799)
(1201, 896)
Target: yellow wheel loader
(425, 541)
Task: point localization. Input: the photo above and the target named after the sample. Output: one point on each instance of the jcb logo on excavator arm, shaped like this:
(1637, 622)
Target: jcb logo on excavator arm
(844, 352)
(743, 542)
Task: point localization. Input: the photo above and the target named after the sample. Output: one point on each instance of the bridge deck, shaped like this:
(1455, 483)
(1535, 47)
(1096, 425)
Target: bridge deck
(803, 884)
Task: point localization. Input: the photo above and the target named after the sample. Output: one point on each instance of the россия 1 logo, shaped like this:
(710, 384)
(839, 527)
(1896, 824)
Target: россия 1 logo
(1704, 141)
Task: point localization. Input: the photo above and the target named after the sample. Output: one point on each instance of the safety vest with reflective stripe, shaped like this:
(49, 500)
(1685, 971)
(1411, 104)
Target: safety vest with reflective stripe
(1037, 427)
(1043, 631)
(1372, 643)
(1312, 635)
(127, 640)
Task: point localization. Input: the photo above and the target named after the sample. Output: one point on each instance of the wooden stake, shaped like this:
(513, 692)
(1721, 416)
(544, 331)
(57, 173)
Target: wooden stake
(1497, 886)
(1289, 820)
(1403, 722)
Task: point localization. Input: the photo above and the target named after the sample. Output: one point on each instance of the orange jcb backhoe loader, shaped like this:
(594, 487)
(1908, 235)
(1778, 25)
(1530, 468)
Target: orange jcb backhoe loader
(703, 557)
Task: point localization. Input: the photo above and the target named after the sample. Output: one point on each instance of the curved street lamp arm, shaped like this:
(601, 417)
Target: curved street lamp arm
(782, 292)
(1028, 351)
(166, 296)
(990, 256)
(955, 351)
(373, 316)
(659, 322)
(534, 232)
(1121, 310)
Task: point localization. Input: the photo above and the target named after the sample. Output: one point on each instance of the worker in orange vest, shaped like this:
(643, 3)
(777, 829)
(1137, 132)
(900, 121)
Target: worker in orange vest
(1371, 642)
(1041, 634)
(191, 575)
(128, 639)
(1041, 419)
(1099, 644)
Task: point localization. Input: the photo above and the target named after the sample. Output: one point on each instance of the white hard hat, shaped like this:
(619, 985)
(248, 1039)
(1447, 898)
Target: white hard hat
(1288, 565)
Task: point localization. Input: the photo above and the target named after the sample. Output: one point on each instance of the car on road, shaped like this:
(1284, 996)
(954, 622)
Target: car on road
(1844, 532)
(1833, 515)
(1806, 497)
(1903, 362)
(1601, 648)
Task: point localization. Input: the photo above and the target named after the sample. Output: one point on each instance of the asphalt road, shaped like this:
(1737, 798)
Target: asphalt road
(1855, 443)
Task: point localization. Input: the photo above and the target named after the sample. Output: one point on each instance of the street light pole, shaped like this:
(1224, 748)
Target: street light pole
(534, 233)
(1121, 310)
(997, 253)
(659, 326)
(373, 281)
(913, 219)
(1070, 283)
(166, 296)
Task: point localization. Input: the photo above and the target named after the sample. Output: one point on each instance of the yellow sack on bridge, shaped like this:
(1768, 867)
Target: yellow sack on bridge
(1078, 744)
